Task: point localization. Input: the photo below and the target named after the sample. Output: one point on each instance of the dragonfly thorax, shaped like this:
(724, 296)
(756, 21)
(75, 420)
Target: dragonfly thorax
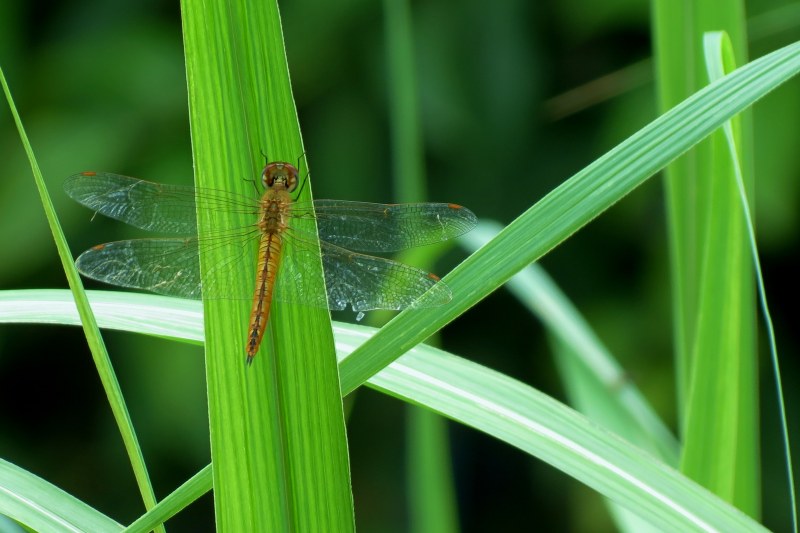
(280, 175)
(275, 208)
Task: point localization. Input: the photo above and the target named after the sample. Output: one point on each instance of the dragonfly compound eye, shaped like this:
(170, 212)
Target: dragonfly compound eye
(281, 173)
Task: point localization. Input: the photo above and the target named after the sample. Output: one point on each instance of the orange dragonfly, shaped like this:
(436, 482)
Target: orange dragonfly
(171, 265)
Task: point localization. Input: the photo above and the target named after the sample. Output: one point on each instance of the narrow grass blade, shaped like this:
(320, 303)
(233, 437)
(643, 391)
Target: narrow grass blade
(430, 492)
(719, 60)
(678, 28)
(408, 174)
(430, 481)
(95, 341)
(195, 487)
(721, 439)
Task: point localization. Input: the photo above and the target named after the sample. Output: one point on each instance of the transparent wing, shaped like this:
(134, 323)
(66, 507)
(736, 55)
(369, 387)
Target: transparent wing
(357, 226)
(151, 206)
(171, 267)
(368, 227)
(357, 281)
(163, 266)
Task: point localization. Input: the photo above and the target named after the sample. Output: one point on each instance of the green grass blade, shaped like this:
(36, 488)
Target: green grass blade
(531, 421)
(430, 482)
(40, 506)
(429, 489)
(713, 306)
(595, 382)
(408, 174)
(537, 424)
(719, 444)
(678, 28)
(187, 493)
(720, 60)
(614, 401)
(721, 419)
(160, 316)
(574, 204)
(277, 429)
(93, 338)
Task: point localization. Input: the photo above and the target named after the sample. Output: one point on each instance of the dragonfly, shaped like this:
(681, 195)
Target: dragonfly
(348, 234)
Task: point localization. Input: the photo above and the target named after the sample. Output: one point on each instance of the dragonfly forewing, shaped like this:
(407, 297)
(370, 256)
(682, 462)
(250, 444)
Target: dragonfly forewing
(152, 206)
(368, 227)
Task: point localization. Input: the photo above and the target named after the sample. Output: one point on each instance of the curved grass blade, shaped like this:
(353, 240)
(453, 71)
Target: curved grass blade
(536, 424)
(40, 506)
(575, 203)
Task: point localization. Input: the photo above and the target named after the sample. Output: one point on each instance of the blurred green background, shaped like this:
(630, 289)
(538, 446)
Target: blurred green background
(101, 86)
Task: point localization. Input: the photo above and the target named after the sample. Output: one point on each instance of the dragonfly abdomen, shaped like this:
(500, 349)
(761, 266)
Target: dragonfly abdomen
(269, 255)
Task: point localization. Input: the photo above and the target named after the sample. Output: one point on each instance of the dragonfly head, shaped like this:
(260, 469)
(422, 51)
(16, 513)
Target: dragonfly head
(279, 175)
